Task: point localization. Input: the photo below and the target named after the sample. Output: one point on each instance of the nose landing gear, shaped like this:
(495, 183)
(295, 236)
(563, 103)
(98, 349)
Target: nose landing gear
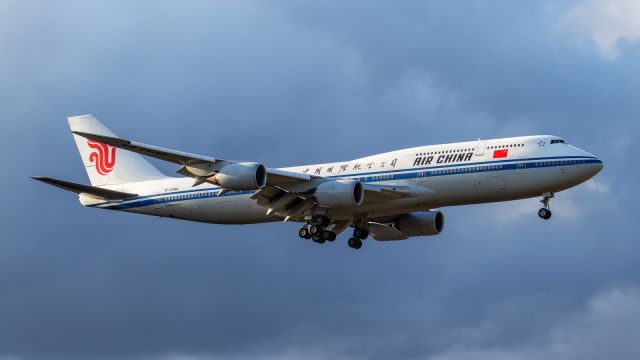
(545, 211)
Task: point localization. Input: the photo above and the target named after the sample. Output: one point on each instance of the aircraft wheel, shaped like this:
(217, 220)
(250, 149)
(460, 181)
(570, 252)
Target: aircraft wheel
(328, 235)
(354, 243)
(544, 213)
(319, 238)
(304, 233)
(360, 233)
(314, 229)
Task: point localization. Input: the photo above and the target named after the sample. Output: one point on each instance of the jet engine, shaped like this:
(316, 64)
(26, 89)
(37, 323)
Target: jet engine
(241, 176)
(423, 223)
(340, 193)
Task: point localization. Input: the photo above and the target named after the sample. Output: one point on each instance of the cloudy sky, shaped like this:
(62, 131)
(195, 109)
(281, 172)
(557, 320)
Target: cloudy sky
(293, 82)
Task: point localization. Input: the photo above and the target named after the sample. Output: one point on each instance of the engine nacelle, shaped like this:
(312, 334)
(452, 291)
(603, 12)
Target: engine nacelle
(423, 223)
(241, 176)
(340, 193)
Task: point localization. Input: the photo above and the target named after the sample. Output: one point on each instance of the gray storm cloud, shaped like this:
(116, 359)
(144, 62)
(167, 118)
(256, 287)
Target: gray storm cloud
(287, 83)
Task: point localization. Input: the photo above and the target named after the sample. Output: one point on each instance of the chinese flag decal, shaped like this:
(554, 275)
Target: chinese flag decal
(500, 153)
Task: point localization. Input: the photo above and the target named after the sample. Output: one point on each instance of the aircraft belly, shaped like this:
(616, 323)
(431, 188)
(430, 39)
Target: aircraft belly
(463, 188)
(483, 187)
(509, 185)
(391, 207)
(236, 209)
(564, 177)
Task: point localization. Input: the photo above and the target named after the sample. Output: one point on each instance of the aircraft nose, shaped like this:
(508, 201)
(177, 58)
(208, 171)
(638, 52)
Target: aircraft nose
(596, 166)
(593, 164)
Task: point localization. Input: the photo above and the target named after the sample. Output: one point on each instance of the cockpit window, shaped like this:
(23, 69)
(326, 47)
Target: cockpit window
(558, 141)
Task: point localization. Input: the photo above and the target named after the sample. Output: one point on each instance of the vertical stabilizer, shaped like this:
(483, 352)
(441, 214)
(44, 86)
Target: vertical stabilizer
(107, 165)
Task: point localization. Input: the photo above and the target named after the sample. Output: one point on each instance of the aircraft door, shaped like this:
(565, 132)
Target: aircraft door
(520, 156)
(480, 147)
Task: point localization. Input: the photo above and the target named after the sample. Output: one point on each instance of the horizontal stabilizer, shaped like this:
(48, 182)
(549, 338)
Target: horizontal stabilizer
(86, 189)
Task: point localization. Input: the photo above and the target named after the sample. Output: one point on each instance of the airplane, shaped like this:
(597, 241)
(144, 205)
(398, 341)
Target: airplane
(390, 196)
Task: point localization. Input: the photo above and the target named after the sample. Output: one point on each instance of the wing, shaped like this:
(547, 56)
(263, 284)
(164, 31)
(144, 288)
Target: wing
(193, 165)
(177, 157)
(287, 193)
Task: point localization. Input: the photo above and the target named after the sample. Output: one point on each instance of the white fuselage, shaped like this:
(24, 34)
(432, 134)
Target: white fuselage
(436, 176)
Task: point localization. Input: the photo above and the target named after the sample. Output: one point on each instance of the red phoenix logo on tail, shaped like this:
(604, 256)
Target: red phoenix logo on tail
(104, 160)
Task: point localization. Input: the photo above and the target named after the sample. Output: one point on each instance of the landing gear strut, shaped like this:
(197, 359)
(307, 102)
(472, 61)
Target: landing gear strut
(316, 229)
(545, 211)
(359, 233)
(320, 220)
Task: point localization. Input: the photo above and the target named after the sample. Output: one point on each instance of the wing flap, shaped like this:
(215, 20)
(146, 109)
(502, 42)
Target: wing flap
(281, 201)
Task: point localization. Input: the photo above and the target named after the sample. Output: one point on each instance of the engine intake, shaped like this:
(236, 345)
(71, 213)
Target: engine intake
(241, 176)
(340, 193)
(423, 223)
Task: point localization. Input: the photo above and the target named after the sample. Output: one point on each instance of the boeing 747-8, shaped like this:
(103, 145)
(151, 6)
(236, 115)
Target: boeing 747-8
(390, 196)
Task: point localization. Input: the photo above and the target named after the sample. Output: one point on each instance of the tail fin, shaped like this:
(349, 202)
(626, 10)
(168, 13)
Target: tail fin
(105, 164)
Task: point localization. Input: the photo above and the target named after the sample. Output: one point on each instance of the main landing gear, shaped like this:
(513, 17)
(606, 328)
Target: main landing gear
(359, 234)
(316, 229)
(545, 211)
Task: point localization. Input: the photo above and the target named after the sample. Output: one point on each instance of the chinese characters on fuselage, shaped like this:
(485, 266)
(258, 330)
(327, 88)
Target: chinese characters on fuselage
(329, 170)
